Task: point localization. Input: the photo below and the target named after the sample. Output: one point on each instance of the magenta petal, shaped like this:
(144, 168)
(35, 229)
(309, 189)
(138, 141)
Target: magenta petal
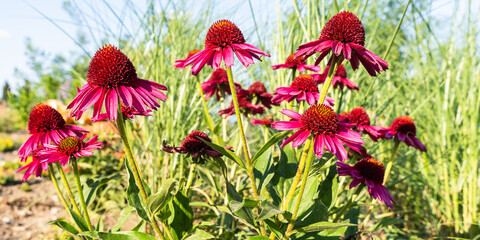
(341, 152)
(302, 137)
(286, 125)
(318, 145)
(401, 136)
(228, 56)
(291, 114)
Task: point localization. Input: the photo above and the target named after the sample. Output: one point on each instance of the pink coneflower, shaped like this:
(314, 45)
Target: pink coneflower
(217, 85)
(344, 35)
(245, 106)
(360, 118)
(303, 88)
(179, 63)
(222, 41)
(296, 63)
(67, 148)
(322, 123)
(257, 93)
(339, 79)
(371, 172)
(46, 125)
(35, 166)
(111, 76)
(404, 130)
(267, 121)
(194, 147)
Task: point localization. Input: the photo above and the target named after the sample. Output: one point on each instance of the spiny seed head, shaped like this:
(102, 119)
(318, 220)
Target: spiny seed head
(44, 118)
(305, 83)
(371, 169)
(218, 75)
(404, 124)
(222, 34)
(320, 119)
(257, 88)
(192, 145)
(344, 27)
(358, 116)
(70, 145)
(296, 61)
(110, 67)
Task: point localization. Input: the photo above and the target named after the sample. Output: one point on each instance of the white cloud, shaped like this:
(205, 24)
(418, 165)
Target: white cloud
(4, 34)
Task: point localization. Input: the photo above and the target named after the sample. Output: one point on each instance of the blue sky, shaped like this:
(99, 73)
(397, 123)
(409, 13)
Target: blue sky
(19, 20)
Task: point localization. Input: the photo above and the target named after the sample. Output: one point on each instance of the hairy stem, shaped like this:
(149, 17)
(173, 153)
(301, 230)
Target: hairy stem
(69, 190)
(191, 174)
(326, 84)
(55, 183)
(80, 193)
(349, 203)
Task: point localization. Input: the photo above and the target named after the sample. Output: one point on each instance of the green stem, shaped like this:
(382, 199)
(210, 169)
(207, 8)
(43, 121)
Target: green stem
(302, 189)
(224, 120)
(349, 203)
(55, 183)
(205, 110)
(340, 101)
(244, 141)
(390, 163)
(191, 174)
(294, 70)
(80, 193)
(296, 180)
(136, 172)
(326, 84)
(265, 133)
(67, 186)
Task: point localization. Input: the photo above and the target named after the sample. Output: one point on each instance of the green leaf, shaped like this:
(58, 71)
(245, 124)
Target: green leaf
(61, 223)
(133, 195)
(93, 184)
(181, 221)
(329, 187)
(226, 152)
(263, 170)
(273, 140)
(127, 235)
(200, 235)
(274, 228)
(236, 204)
(123, 218)
(268, 210)
(385, 222)
(159, 200)
(320, 226)
(258, 238)
(285, 170)
(79, 221)
(100, 226)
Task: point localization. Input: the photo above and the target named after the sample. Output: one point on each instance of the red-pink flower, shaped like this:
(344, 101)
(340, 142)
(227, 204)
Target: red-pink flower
(128, 112)
(112, 77)
(404, 130)
(222, 41)
(245, 105)
(194, 147)
(360, 118)
(67, 148)
(46, 125)
(339, 78)
(257, 93)
(35, 166)
(296, 63)
(371, 172)
(179, 63)
(344, 35)
(303, 88)
(320, 122)
(263, 121)
(217, 85)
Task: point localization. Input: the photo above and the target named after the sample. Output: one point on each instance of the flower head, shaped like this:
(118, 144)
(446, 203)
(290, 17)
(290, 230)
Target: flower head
(222, 41)
(320, 122)
(179, 63)
(217, 85)
(404, 130)
(296, 63)
(344, 35)
(245, 105)
(67, 148)
(339, 79)
(257, 93)
(303, 88)
(35, 166)
(263, 121)
(128, 112)
(371, 172)
(194, 147)
(359, 117)
(46, 125)
(111, 76)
